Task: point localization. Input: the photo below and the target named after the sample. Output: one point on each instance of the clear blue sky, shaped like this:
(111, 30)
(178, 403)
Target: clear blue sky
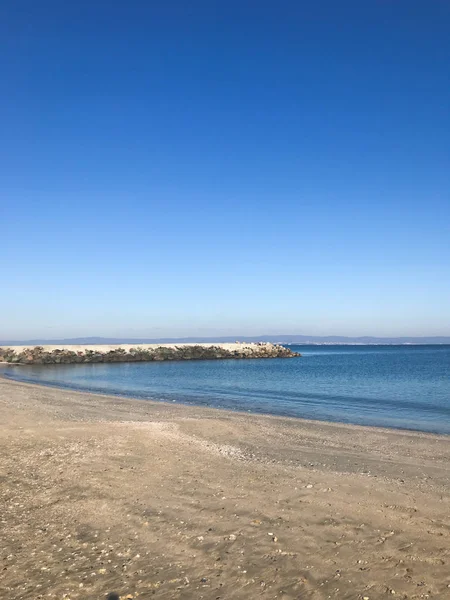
(178, 168)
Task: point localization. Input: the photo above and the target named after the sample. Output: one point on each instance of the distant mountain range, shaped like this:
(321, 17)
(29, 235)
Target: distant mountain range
(282, 339)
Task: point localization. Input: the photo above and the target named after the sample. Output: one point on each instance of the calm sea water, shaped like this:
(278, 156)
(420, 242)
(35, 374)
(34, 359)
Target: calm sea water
(389, 386)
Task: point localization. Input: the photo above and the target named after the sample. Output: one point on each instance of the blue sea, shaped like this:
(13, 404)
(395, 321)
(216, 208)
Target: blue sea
(390, 386)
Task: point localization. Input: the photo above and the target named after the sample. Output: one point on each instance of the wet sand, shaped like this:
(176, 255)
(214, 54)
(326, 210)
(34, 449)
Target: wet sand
(155, 500)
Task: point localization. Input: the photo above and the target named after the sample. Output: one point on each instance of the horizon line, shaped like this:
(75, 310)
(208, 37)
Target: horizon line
(281, 338)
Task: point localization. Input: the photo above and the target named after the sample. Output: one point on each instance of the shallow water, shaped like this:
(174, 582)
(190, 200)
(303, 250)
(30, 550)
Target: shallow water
(389, 386)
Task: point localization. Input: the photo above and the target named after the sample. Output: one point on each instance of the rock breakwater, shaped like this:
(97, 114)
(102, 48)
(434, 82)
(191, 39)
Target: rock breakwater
(40, 355)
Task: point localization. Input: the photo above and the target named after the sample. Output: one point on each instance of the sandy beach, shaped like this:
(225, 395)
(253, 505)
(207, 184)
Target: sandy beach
(147, 499)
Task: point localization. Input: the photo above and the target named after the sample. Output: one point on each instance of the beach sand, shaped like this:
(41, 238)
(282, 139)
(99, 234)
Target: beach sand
(155, 500)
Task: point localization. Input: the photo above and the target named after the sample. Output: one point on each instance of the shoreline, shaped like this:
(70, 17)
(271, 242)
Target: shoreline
(301, 420)
(105, 493)
(146, 406)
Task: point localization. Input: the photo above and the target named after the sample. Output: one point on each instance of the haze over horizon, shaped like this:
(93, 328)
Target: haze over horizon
(280, 338)
(186, 170)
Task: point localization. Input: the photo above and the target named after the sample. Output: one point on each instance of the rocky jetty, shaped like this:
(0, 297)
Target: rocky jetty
(40, 355)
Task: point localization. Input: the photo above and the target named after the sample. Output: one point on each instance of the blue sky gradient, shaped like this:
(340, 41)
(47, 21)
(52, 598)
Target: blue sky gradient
(206, 168)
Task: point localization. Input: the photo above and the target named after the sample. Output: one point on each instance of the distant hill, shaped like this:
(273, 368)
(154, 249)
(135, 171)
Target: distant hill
(282, 339)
